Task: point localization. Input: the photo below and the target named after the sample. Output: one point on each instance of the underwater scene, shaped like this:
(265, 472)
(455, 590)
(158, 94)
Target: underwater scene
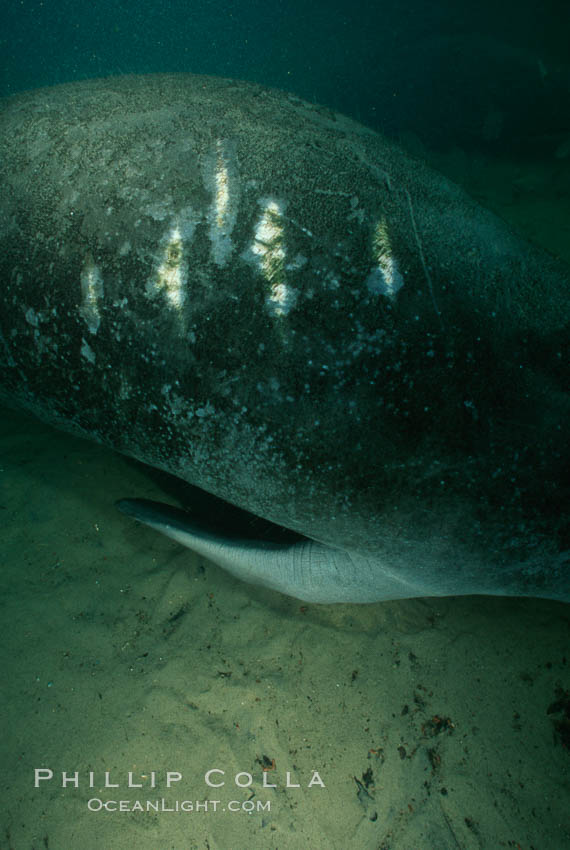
(284, 443)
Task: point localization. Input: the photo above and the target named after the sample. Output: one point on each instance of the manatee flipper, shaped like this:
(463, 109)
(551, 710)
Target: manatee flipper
(307, 569)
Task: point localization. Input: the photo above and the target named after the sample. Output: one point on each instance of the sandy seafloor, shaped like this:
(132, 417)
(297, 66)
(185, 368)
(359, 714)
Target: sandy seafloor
(432, 723)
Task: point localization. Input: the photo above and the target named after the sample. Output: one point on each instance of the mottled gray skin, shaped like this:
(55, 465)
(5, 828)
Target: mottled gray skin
(277, 305)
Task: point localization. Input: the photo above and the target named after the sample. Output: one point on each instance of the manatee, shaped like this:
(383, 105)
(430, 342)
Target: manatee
(281, 307)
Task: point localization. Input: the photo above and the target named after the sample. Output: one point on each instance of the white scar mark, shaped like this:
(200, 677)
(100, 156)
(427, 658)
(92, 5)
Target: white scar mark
(269, 249)
(171, 274)
(92, 292)
(221, 178)
(385, 278)
(222, 201)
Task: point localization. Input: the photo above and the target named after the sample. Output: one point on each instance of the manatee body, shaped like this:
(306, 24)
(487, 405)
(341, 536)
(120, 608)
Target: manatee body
(278, 306)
